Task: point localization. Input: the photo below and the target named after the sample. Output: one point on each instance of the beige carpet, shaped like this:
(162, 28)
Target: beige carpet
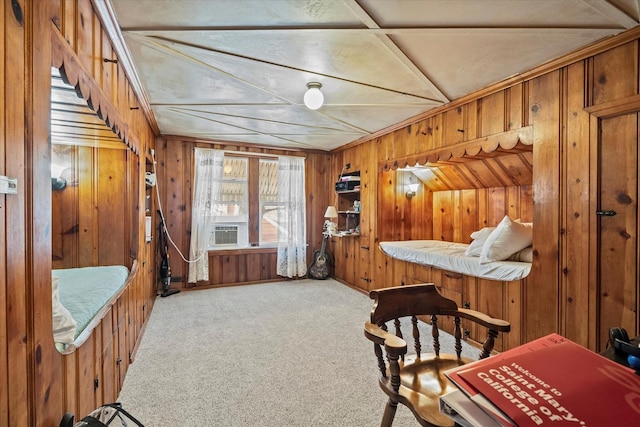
(274, 354)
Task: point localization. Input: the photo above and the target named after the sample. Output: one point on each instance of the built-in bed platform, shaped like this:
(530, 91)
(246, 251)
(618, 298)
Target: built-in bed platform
(450, 256)
(84, 296)
(488, 274)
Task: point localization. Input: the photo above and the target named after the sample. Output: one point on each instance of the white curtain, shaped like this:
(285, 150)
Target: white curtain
(207, 182)
(292, 233)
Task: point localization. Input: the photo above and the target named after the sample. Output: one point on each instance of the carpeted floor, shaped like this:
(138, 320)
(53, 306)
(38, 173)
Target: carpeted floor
(275, 354)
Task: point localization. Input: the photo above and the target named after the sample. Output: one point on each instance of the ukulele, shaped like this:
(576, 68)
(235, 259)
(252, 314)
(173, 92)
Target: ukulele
(319, 268)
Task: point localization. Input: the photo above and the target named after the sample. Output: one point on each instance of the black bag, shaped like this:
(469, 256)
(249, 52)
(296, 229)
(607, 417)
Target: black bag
(108, 415)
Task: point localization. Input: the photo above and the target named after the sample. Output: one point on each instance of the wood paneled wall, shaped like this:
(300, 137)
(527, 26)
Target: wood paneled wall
(174, 157)
(38, 385)
(91, 217)
(559, 101)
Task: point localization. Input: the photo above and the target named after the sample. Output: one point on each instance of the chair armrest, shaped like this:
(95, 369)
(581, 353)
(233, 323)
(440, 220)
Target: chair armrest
(393, 344)
(481, 318)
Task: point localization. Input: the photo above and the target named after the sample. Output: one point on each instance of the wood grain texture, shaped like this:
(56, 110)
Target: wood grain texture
(494, 187)
(575, 241)
(618, 244)
(14, 324)
(40, 384)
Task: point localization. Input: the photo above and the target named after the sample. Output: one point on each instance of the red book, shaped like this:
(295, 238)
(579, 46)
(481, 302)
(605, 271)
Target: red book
(563, 384)
(479, 399)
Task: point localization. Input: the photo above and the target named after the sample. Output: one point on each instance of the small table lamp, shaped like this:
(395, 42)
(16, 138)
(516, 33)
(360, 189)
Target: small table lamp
(331, 214)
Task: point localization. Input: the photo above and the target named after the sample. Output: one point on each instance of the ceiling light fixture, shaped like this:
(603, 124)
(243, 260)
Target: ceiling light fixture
(313, 98)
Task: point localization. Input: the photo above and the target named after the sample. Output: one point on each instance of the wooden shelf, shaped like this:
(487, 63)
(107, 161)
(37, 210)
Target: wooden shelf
(342, 234)
(348, 218)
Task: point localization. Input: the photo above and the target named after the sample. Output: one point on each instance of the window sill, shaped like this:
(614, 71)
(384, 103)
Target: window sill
(236, 251)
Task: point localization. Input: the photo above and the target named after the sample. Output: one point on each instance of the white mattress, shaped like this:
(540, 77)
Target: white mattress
(450, 256)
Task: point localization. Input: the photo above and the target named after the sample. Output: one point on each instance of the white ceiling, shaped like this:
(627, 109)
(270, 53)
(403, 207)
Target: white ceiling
(236, 70)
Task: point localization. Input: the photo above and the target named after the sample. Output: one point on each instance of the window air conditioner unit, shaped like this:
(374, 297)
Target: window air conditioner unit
(225, 235)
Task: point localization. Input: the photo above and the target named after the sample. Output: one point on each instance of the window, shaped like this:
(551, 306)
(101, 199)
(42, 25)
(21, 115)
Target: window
(236, 196)
(231, 207)
(248, 195)
(269, 205)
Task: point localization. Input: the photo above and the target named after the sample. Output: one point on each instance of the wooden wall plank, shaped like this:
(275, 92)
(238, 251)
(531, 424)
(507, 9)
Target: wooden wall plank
(471, 121)
(468, 215)
(107, 357)
(542, 302)
(436, 126)
(611, 72)
(453, 126)
(68, 21)
(86, 168)
(44, 408)
(107, 68)
(514, 311)
(86, 374)
(401, 145)
(70, 381)
(113, 217)
(424, 136)
(4, 343)
(576, 240)
(122, 344)
(492, 118)
(515, 97)
(253, 274)
(14, 156)
(173, 200)
(84, 31)
(64, 215)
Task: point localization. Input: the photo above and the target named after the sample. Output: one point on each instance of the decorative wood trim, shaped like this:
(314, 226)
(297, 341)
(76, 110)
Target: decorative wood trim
(615, 107)
(509, 142)
(74, 74)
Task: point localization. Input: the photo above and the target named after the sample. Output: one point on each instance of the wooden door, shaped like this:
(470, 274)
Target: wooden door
(617, 218)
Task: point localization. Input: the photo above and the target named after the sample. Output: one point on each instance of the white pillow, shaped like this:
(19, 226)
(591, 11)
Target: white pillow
(64, 325)
(479, 237)
(525, 255)
(508, 238)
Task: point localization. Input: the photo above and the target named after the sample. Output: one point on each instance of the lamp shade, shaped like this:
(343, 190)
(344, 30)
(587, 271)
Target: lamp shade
(313, 98)
(414, 187)
(331, 212)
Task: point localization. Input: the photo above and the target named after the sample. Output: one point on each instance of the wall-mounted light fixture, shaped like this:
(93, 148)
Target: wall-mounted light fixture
(57, 182)
(313, 97)
(413, 189)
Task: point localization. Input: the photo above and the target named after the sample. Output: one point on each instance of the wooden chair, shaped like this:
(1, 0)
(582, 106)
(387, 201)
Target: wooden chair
(417, 380)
